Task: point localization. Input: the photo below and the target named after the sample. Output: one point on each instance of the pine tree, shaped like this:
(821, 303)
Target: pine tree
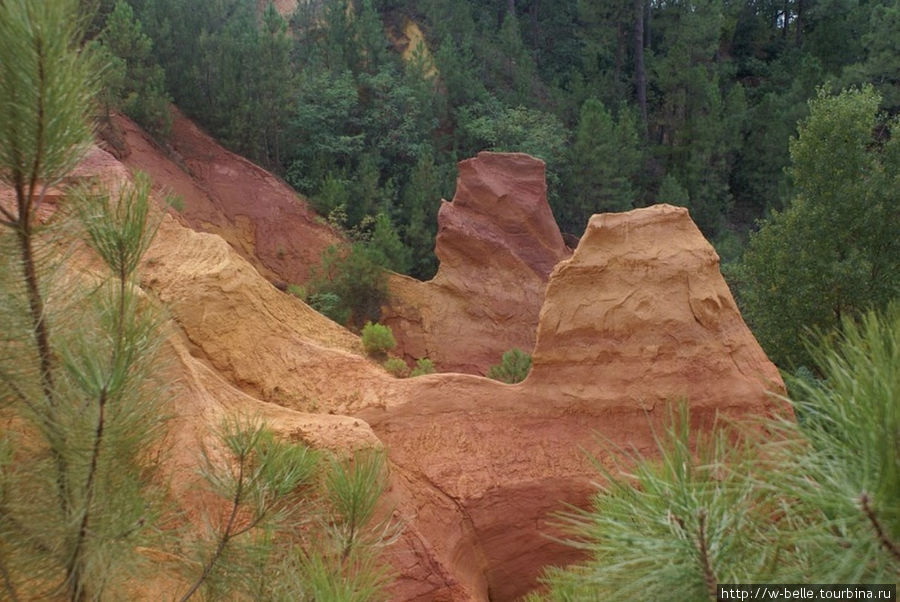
(74, 375)
(138, 85)
(604, 162)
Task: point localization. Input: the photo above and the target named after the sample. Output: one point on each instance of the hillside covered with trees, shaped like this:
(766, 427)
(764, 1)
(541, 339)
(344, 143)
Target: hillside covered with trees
(628, 102)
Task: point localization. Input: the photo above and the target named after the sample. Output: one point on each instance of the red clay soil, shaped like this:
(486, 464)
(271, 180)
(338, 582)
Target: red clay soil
(221, 192)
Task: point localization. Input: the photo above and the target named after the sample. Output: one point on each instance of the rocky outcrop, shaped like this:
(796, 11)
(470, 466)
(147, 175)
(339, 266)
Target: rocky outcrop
(641, 313)
(268, 223)
(268, 343)
(497, 243)
(638, 317)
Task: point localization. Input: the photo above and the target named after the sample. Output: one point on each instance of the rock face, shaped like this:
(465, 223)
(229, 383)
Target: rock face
(638, 317)
(497, 243)
(641, 312)
(257, 213)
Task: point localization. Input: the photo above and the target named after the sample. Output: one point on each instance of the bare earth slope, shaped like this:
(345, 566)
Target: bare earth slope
(497, 242)
(257, 213)
(637, 317)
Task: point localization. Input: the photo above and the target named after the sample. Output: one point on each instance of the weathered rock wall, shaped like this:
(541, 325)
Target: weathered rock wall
(497, 242)
(638, 317)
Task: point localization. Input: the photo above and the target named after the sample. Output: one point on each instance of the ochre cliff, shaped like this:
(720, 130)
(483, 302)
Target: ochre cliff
(638, 317)
(641, 312)
(497, 242)
(220, 192)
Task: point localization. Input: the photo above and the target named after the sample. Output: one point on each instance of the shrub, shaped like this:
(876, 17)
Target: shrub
(356, 282)
(397, 367)
(330, 305)
(297, 290)
(423, 366)
(513, 367)
(377, 339)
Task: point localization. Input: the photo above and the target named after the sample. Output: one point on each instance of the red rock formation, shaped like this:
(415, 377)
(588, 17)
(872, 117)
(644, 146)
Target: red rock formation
(497, 242)
(636, 318)
(642, 307)
(257, 213)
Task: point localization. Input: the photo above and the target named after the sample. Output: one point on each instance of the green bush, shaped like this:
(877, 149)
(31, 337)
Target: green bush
(297, 290)
(423, 366)
(377, 339)
(329, 304)
(513, 367)
(397, 367)
(354, 282)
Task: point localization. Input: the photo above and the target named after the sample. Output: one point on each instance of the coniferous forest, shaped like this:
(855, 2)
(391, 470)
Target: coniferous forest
(365, 107)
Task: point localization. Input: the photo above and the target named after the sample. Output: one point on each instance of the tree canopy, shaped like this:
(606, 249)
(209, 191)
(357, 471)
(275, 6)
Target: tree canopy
(834, 251)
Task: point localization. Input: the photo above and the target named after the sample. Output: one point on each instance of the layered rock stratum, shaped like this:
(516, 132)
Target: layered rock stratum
(637, 318)
(497, 242)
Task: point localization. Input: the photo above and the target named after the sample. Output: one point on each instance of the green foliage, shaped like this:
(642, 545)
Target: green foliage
(423, 366)
(331, 305)
(604, 163)
(271, 486)
(348, 285)
(514, 366)
(496, 127)
(46, 90)
(845, 471)
(420, 200)
(673, 193)
(834, 250)
(385, 247)
(298, 291)
(377, 339)
(354, 488)
(812, 501)
(397, 367)
(134, 83)
(669, 529)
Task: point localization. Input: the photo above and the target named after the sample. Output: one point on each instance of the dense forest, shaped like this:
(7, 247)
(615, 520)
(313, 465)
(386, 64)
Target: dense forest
(628, 102)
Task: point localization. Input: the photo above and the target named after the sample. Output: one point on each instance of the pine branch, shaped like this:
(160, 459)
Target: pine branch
(227, 534)
(72, 576)
(11, 220)
(709, 576)
(883, 537)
